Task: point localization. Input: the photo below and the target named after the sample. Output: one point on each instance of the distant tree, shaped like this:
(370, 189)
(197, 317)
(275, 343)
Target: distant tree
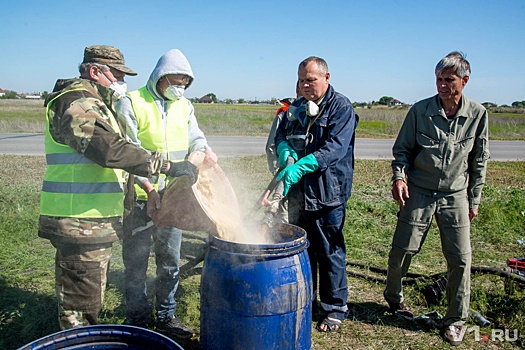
(213, 97)
(9, 95)
(384, 100)
(228, 101)
(43, 95)
(489, 105)
(518, 104)
(241, 100)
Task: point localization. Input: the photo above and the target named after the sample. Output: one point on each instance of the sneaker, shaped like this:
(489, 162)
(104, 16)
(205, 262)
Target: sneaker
(453, 334)
(173, 326)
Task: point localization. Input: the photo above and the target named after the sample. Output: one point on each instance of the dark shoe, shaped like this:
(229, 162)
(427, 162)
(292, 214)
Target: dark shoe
(173, 326)
(453, 334)
(400, 308)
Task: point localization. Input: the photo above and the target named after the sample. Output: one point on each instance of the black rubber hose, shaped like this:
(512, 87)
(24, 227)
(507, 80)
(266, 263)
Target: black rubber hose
(412, 277)
(380, 270)
(499, 272)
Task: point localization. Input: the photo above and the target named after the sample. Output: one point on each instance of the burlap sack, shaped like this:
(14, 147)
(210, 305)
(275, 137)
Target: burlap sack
(209, 205)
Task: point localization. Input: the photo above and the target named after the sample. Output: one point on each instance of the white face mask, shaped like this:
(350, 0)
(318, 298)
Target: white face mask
(174, 92)
(120, 89)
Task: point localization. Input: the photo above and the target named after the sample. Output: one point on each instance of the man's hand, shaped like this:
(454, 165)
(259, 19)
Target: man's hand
(400, 191)
(153, 203)
(211, 158)
(284, 150)
(472, 213)
(293, 173)
(185, 167)
(206, 158)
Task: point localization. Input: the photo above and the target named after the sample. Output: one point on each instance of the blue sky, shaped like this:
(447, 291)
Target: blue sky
(251, 49)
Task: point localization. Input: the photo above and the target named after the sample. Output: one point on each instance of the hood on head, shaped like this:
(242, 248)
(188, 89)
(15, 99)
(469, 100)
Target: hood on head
(172, 62)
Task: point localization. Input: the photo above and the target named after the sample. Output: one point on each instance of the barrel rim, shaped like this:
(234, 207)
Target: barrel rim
(298, 242)
(70, 336)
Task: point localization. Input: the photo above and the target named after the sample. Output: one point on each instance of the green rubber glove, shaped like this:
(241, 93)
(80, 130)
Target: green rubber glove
(293, 173)
(284, 150)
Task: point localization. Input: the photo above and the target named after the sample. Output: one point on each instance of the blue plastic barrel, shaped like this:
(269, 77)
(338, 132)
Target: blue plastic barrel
(104, 337)
(257, 296)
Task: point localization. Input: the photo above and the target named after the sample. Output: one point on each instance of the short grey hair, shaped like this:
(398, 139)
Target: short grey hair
(457, 61)
(322, 67)
(84, 68)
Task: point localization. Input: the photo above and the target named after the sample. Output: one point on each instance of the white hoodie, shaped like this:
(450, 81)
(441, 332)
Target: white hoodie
(172, 62)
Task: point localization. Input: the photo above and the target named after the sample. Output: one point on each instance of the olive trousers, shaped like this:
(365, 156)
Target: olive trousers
(414, 220)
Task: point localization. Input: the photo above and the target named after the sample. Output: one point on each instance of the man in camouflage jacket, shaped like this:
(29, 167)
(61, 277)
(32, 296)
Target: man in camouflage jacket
(83, 190)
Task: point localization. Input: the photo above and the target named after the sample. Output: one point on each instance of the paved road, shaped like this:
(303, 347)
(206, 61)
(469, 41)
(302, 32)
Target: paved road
(228, 146)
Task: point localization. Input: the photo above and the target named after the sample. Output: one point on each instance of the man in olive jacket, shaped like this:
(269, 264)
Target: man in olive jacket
(439, 166)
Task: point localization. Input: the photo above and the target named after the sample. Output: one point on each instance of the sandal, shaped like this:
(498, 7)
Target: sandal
(332, 324)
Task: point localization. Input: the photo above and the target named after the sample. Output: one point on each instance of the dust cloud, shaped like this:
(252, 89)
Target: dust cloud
(219, 201)
(209, 205)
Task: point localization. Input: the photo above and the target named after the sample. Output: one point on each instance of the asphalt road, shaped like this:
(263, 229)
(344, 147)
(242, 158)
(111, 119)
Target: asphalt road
(232, 146)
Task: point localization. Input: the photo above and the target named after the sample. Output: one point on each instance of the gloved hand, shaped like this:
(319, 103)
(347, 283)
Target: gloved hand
(153, 203)
(284, 150)
(293, 173)
(177, 169)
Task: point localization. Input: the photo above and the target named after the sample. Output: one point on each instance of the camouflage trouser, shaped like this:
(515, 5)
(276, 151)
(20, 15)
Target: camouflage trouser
(80, 282)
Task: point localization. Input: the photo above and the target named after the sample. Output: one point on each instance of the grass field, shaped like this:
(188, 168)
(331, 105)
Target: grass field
(27, 301)
(255, 120)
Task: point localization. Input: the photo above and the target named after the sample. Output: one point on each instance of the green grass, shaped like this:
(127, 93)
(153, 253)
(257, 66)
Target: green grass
(255, 120)
(22, 116)
(27, 301)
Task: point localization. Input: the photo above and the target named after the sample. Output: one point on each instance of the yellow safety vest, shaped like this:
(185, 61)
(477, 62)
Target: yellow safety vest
(75, 186)
(168, 136)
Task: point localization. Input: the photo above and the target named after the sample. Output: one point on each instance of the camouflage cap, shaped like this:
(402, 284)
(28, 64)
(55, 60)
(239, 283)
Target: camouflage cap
(108, 55)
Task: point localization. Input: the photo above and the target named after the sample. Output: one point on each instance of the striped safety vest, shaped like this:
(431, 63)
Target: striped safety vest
(168, 135)
(75, 186)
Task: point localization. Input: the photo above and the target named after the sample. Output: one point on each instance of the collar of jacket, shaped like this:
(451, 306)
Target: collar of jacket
(327, 97)
(95, 89)
(435, 108)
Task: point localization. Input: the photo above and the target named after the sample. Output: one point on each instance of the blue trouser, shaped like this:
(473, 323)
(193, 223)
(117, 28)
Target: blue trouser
(415, 218)
(135, 252)
(327, 252)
